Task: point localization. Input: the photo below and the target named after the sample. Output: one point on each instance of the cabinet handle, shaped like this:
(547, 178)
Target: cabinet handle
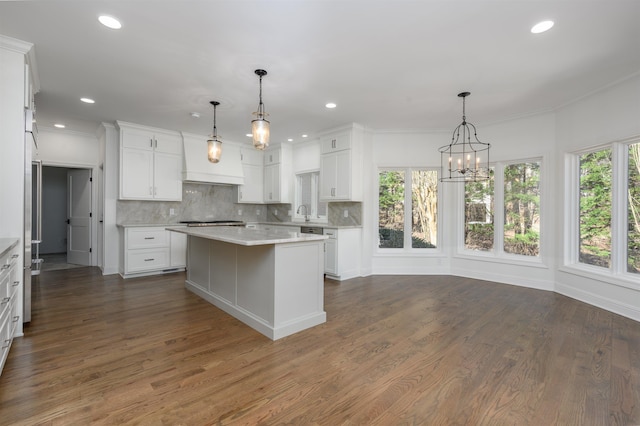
(240, 195)
(149, 238)
(4, 267)
(155, 143)
(150, 142)
(15, 256)
(6, 300)
(7, 344)
(155, 191)
(333, 192)
(149, 260)
(16, 283)
(329, 233)
(16, 318)
(333, 143)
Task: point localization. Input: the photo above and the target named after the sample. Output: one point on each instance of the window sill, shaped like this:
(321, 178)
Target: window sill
(602, 275)
(409, 253)
(529, 262)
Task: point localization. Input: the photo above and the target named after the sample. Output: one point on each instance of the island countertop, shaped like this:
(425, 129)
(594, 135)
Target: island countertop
(246, 236)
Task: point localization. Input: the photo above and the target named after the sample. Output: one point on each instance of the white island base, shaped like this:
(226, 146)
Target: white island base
(277, 289)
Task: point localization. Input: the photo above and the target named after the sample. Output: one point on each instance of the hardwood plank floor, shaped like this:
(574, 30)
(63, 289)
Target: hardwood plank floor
(410, 350)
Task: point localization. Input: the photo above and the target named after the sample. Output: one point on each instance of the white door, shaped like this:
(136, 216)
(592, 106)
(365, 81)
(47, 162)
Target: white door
(79, 217)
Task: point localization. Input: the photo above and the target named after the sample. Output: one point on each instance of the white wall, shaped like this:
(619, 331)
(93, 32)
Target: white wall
(603, 117)
(306, 156)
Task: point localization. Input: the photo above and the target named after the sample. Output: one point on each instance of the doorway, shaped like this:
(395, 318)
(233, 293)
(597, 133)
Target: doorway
(66, 218)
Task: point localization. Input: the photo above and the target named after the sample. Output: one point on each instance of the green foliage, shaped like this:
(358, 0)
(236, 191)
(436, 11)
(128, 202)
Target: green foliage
(595, 205)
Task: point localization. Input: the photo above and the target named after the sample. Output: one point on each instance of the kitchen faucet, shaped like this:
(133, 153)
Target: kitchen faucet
(306, 212)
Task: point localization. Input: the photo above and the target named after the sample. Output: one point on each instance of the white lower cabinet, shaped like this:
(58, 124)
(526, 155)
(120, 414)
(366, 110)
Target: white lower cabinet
(150, 250)
(342, 253)
(10, 300)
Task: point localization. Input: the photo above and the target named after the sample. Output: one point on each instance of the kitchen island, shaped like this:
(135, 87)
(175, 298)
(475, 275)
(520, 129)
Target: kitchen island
(270, 280)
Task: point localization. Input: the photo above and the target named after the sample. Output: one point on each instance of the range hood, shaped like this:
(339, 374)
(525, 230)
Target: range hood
(198, 169)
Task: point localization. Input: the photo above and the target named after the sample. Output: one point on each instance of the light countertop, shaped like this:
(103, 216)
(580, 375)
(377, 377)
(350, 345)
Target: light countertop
(314, 224)
(157, 225)
(7, 244)
(246, 236)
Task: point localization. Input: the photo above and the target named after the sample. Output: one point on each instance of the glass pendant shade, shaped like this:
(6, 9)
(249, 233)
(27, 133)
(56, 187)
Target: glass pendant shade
(465, 158)
(214, 149)
(260, 131)
(260, 126)
(214, 144)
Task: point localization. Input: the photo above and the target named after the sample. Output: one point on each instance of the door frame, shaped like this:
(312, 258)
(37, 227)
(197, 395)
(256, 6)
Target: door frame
(94, 199)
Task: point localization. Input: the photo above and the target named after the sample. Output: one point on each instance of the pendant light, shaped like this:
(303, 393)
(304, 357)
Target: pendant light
(214, 144)
(464, 159)
(260, 126)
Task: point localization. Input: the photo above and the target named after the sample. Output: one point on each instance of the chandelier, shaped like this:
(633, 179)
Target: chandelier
(464, 159)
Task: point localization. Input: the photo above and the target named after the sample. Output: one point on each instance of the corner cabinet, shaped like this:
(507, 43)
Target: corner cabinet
(341, 165)
(341, 253)
(152, 250)
(278, 174)
(150, 163)
(10, 297)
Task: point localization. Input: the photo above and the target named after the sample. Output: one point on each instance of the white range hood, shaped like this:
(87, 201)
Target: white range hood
(198, 169)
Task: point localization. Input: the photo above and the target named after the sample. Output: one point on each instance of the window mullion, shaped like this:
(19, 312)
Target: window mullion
(408, 208)
(498, 218)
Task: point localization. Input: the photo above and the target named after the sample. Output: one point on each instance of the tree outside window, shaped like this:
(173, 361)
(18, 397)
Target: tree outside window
(522, 209)
(595, 208)
(478, 215)
(412, 191)
(633, 207)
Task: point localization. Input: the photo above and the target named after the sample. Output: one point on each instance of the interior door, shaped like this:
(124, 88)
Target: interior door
(79, 216)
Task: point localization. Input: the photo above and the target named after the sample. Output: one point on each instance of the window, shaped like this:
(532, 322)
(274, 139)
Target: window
(633, 209)
(595, 208)
(478, 215)
(407, 191)
(603, 210)
(522, 209)
(502, 214)
(308, 197)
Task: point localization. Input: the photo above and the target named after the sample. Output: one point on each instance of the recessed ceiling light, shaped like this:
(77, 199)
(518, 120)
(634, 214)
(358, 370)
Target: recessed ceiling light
(289, 140)
(88, 100)
(249, 135)
(59, 126)
(305, 136)
(195, 114)
(541, 27)
(110, 22)
(330, 105)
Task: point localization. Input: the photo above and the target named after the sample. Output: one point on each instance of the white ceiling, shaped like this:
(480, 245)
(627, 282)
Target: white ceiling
(390, 64)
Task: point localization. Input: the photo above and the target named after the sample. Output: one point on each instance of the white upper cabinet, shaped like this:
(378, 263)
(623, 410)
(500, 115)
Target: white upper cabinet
(252, 189)
(150, 163)
(341, 165)
(278, 174)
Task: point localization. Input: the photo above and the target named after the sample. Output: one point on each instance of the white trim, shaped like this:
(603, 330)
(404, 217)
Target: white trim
(611, 305)
(516, 280)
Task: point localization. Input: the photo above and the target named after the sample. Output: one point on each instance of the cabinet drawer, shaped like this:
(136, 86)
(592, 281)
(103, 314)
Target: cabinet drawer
(139, 238)
(147, 260)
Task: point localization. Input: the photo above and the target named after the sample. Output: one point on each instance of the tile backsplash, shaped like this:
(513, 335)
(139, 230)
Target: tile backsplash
(199, 202)
(214, 202)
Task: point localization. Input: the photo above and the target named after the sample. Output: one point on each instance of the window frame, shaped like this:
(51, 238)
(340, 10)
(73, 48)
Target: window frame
(617, 273)
(497, 254)
(315, 183)
(407, 249)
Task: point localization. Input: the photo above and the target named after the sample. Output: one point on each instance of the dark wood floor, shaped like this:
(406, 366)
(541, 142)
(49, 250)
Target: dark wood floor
(395, 350)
